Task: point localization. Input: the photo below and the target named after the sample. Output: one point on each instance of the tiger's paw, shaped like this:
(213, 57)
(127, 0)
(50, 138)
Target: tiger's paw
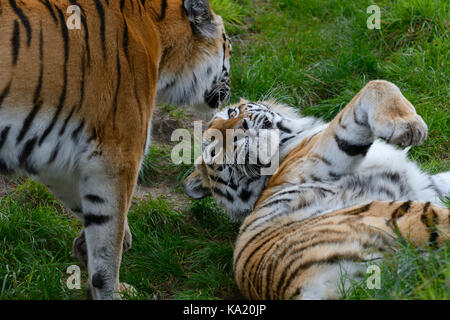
(79, 250)
(409, 131)
(391, 116)
(127, 239)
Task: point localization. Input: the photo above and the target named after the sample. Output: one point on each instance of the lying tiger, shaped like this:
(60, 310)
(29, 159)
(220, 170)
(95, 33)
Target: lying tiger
(338, 198)
(76, 104)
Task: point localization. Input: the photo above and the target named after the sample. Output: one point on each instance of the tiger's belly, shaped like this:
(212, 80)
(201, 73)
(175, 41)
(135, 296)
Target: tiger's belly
(52, 158)
(365, 187)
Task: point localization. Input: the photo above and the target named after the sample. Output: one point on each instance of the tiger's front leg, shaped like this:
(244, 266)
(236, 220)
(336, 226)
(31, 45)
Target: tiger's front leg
(79, 249)
(106, 187)
(378, 110)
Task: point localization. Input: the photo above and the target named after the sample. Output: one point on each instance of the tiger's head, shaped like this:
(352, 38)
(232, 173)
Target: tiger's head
(236, 164)
(195, 64)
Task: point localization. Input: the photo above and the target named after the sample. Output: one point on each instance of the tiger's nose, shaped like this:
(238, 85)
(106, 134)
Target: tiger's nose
(217, 95)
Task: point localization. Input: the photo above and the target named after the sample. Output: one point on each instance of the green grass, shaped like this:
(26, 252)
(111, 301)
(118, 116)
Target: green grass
(408, 273)
(313, 54)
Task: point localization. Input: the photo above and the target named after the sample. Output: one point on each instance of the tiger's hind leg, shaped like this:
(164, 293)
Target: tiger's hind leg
(106, 193)
(361, 235)
(378, 110)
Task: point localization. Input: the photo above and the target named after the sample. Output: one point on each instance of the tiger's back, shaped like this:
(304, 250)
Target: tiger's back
(58, 84)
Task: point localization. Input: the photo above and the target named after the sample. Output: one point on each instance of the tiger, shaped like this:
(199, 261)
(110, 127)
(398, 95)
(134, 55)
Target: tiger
(76, 103)
(341, 196)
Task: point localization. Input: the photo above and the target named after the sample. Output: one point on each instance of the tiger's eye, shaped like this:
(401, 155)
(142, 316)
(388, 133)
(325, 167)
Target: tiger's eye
(231, 113)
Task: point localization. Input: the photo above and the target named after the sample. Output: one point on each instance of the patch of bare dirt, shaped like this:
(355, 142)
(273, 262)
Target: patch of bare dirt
(164, 122)
(178, 201)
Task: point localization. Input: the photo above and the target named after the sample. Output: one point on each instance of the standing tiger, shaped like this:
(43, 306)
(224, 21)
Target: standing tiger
(76, 105)
(338, 198)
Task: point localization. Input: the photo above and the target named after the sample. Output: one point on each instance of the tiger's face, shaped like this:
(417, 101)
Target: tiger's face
(195, 64)
(232, 178)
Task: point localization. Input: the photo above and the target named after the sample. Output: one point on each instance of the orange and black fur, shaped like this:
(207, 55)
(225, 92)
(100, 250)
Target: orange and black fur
(76, 104)
(338, 199)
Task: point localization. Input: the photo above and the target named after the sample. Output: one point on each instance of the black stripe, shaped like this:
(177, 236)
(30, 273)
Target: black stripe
(54, 154)
(401, 210)
(65, 35)
(284, 140)
(283, 128)
(163, 10)
(83, 83)
(15, 42)
(334, 175)
(425, 207)
(4, 169)
(4, 136)
(29, 120)
(37, 102)
(140, 7)
(25, 154)
(245, 194)
(125, 38)
(101, 14)
(48, 5)
(351, 149)
(94, 198)
(86, 30)
(5, 93)
(358, 210)
(393, 176)
(77, 131)
(95, 219)
(226, 195)
(63, 128)
(430, 224)
(23, 18)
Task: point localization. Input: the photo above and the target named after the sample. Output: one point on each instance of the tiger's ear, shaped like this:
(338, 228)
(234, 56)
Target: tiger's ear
(243, 101)
(200, 15)
(193, 186)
